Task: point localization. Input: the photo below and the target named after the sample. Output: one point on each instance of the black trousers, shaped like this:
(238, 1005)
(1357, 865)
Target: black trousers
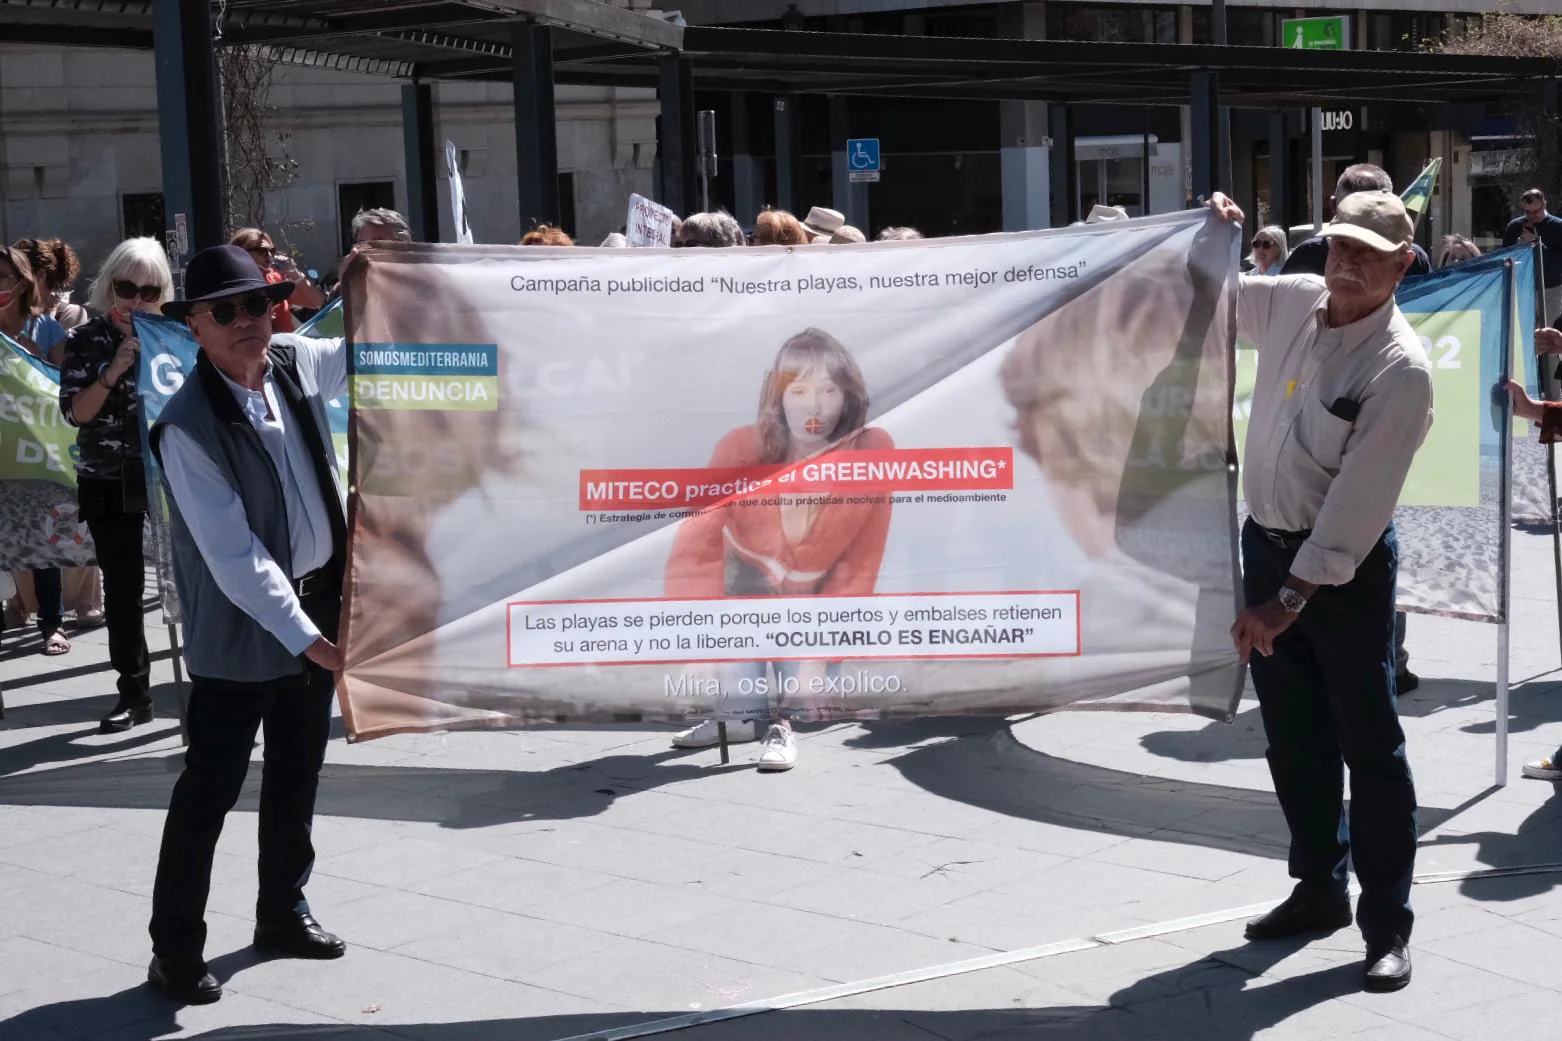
(1328, 701)
(222, 720)
(117, 534)
(49, 588)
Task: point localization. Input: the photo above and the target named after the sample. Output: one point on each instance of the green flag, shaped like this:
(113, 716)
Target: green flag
(37, 468)
(1418, 196)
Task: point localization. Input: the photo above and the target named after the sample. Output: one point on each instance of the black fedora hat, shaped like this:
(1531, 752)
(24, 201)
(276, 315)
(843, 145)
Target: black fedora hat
(219, 271)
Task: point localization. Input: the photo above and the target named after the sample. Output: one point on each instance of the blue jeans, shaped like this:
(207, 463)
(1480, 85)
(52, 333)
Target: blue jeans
(1328, 700)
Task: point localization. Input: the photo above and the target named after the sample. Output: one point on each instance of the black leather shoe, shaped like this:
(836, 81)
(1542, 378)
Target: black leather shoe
(126, 714)
(1406, 682)
(301, 937)
(197, 987)
(1388, 966)
(1301, 913)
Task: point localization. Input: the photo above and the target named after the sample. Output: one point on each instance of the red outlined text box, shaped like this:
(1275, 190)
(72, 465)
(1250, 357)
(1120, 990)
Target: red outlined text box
(975, 625)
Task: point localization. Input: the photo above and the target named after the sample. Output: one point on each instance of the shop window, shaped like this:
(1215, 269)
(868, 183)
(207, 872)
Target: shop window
(1402, 30)
(364, 195)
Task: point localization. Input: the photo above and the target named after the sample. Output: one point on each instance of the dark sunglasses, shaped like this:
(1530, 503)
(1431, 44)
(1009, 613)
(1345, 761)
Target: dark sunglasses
(227, 312)
(1265, 244)
(269, 251)
(129, 291)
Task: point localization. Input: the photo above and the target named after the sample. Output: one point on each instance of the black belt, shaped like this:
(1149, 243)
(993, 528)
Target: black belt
(1283, 539)
(320, 580)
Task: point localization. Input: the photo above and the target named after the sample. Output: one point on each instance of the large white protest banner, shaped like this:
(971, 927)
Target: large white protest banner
(990, 475)
(649, 223)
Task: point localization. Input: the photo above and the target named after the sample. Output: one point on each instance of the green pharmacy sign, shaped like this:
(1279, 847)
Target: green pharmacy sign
(1316, 34)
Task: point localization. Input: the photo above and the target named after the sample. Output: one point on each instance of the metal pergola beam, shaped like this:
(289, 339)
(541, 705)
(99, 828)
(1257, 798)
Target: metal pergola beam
(312, 59)
(593, 19)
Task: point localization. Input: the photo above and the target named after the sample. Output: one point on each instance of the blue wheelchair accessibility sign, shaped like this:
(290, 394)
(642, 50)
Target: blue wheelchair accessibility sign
(862, 158)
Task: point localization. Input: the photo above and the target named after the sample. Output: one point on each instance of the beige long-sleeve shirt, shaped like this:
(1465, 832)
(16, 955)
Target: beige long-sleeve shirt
(1309, 464)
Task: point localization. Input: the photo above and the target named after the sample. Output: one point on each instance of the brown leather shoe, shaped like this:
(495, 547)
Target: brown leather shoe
(1300, 915)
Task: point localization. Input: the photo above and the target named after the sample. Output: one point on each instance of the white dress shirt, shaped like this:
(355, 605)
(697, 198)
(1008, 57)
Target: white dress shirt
(241, 566)
(1308, 468)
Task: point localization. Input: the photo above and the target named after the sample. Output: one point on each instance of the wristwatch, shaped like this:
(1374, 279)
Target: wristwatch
(1291, 600)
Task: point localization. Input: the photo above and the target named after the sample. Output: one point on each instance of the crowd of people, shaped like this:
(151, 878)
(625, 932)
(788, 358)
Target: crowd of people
(719, 229)
(94, 346)
(260, 575)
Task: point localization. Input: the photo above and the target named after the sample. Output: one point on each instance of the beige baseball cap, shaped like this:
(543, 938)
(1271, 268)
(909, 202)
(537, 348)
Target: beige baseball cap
(1375, 219)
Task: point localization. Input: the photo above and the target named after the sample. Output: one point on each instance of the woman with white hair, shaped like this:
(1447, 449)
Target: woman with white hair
(98, 395)
(1269, 250)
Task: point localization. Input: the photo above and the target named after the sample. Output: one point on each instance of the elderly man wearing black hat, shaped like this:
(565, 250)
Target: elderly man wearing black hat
(259, 535)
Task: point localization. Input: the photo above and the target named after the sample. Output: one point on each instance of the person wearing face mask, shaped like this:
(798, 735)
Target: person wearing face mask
(21, 309)
(813, 400)
(21, 319)
(56, 268)
(1341, 403)
(98, 395)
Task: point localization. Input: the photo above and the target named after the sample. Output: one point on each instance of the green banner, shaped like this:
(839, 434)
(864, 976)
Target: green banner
(38, 516)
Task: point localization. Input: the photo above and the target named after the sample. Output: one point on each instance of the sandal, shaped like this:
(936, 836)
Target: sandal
(56, 644)
(89, 619)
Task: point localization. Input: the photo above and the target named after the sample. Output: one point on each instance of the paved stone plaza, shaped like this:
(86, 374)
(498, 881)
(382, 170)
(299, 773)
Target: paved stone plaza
(1094, 867)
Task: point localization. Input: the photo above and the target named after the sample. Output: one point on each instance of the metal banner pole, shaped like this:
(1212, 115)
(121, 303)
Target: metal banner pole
(1545, 381)
(1505, 535)
(1317, 170)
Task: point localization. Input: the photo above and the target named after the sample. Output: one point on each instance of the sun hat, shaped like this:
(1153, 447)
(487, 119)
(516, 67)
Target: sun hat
(823, 221)
(219, 271)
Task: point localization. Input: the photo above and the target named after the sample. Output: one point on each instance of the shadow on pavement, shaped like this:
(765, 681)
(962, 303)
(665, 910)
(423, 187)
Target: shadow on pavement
(1536, 842)
(1224, 996)
(83, 714)
(1531, 704)
(973, 760)
(56, 675)
(979, 762)
(985, 765)
(450, 798)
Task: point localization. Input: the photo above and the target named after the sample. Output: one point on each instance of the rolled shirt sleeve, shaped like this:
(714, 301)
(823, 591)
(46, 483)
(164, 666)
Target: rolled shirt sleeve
(1255, 297)
(326, 358)
(1395, 416)
(241, 566)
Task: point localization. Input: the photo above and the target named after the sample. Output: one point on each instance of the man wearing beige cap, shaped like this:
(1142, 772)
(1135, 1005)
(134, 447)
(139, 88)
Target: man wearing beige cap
(1342, 401)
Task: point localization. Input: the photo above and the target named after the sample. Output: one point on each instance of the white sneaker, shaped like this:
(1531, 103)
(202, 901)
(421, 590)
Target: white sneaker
(1547, 769)
(706, 735)
(779, 750)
